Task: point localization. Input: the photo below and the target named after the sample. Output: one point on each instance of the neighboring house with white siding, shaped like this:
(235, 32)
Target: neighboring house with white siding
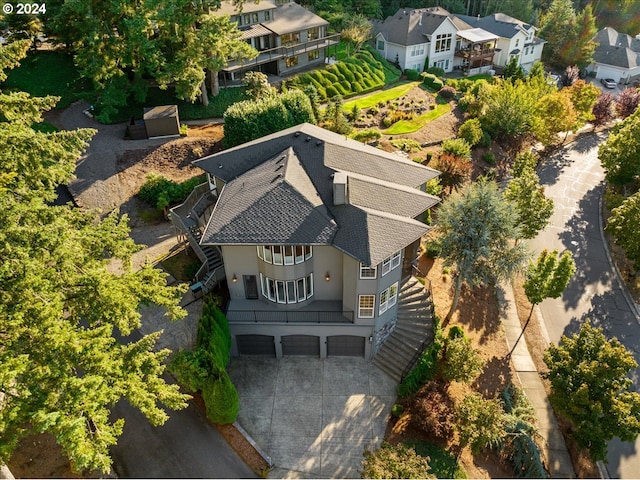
(432, 37)
(516, 39)
(617, 56)
(314, 234)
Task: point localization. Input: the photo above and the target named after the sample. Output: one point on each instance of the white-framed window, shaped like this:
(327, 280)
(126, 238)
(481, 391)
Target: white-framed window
(267, 14)
(517, 42)
(366, 305)
(390, 263)
(388, 298)
(417, 50)
(290, 291)
(443, 42)
(367, 272)
(444, 64)
(284, 254)
(288, 255)
(380, 44)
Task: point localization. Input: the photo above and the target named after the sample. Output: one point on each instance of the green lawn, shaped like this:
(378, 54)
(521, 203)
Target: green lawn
(48, 73)
(415, 124)
(381, 96)
(480, 76)
(443, 463)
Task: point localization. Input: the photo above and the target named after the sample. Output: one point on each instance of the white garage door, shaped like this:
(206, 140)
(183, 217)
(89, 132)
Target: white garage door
(607, 72)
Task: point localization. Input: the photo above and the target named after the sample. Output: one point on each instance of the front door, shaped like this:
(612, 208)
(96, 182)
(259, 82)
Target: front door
(250, 287)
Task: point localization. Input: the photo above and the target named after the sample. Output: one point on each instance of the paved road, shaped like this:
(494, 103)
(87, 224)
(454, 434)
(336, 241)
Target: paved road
(574, 179)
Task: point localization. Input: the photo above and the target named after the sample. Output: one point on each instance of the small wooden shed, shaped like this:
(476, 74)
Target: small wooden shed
(162, 121)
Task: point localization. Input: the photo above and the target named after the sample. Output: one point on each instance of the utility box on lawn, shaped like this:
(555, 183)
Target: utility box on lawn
(162, 121)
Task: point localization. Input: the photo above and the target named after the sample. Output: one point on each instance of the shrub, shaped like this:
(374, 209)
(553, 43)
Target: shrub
(486, 139)
(432, 249)
(455, 332)
(434, 410)
(489, 157)
(248, 120)
(191, 368)
(471, 131)
(437, 71)
(431, 81)
(221, 399)
(161, 192)
(433, 186)
(457, 147)
(397, 409)
(406, 145)
(524, 161)
(367, 135)
(394, 461)
(426, 367)
(447, 92)
(462, 362)
(412, 74)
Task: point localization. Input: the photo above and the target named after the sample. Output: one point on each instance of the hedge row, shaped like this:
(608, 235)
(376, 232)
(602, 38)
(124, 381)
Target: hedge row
(358, 74)
(205, 367)
(431, 81)
(250, 119)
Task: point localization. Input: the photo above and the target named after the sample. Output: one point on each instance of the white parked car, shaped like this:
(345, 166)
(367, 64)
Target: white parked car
(608, 82)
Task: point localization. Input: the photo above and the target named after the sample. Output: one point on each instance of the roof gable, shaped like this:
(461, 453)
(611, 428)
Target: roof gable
(279, 189)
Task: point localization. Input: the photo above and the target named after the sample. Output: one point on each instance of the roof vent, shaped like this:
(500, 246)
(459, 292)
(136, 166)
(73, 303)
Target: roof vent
(297, 134)
(340, 188)
(308, 139)
(318, 143)
(219, 165)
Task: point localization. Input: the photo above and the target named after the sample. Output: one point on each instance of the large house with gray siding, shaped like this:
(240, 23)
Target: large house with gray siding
(288, 37)
(314, 234)
(617, 56)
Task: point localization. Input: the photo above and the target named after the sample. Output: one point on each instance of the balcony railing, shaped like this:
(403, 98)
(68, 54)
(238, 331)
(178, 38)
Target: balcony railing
(284, 51)
(285, 316)
(471, 53)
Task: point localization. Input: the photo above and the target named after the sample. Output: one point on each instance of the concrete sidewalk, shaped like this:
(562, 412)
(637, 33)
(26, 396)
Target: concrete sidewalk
(555, 452)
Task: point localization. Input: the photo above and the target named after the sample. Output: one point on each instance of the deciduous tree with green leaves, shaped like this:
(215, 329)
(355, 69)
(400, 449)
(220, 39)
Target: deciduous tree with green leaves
(623, 225)
(554, 114)
(480, 423)
(355, 32)
(477, 227)
(620, 153)
(533, 208)
(61, 369)
(590, 387)
(547, 277)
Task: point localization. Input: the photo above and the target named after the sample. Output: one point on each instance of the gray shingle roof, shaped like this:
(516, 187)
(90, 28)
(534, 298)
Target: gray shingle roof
(269, 199)
(498, 24)
(291, 17)
(411, 26)
(617, 49)
(272, 203)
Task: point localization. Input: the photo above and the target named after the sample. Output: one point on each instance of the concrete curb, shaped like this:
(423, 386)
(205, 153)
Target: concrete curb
(261, 452)
(5, 473)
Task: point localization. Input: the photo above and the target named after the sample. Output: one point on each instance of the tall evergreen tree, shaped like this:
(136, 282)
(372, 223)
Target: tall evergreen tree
(61, 369)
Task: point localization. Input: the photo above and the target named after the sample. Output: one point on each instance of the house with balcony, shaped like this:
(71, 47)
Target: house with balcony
(315, 236)
(414, 36)
(287, 36)
(617, 56)
(515, 38)
(417, 38)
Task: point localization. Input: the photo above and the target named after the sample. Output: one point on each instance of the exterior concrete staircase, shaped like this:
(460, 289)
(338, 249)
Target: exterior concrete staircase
(413, 331)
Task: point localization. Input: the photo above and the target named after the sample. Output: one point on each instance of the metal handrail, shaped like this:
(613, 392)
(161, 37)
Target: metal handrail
(288, 316)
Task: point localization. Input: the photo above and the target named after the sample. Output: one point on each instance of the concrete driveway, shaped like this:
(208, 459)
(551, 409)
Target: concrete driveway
(313, 417)
(574, 179)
